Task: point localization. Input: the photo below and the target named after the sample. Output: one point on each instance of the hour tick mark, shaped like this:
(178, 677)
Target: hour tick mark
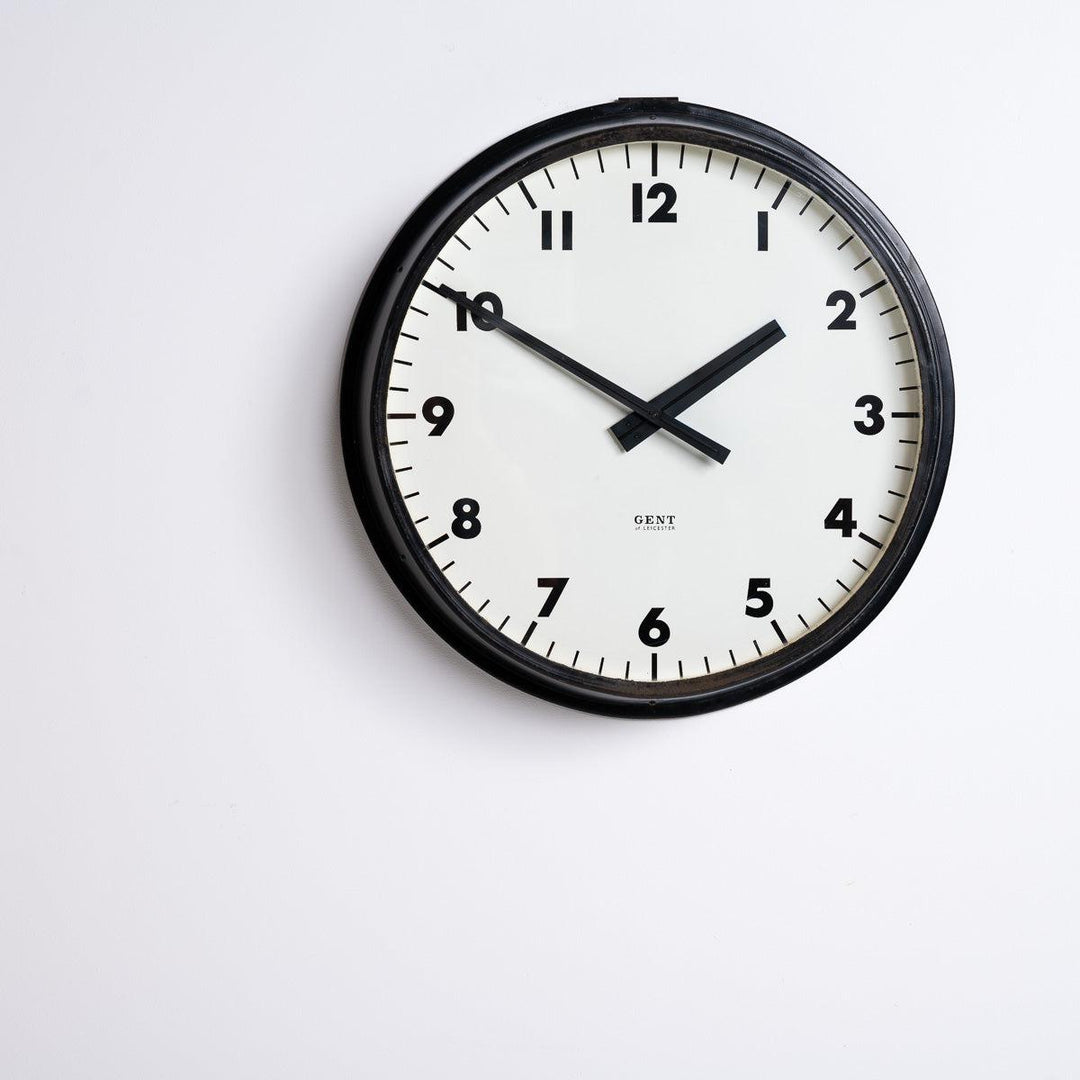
(654, 659)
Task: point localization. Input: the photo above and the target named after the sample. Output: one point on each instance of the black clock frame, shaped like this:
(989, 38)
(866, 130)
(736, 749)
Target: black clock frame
(378, 320)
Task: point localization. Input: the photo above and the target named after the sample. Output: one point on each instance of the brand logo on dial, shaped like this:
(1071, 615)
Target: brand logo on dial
(654, 522)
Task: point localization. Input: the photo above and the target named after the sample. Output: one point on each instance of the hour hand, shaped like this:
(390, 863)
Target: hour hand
(633, 428)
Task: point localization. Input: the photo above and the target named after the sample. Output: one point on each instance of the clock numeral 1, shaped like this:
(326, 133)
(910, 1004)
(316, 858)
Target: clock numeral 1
(664, 212)
(567, 230)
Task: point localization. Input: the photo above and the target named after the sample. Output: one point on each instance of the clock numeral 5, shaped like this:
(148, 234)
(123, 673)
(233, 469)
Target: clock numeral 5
(567, 230)
(653, 631)
(483, 298)
(664, 212)
(466, 524)
(757, 591)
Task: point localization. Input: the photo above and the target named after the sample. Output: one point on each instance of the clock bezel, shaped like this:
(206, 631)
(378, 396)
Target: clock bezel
(378, 320)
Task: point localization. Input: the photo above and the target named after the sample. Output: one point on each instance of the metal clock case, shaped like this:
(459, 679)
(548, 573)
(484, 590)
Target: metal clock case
(851, 312)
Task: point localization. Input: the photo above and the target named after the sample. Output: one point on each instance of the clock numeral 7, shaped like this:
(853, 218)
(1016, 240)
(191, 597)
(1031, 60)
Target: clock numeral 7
(567, 230)
(556, 585)
(488, 299)
(664, 212)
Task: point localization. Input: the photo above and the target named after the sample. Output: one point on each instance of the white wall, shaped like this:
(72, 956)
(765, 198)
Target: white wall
(257, 821)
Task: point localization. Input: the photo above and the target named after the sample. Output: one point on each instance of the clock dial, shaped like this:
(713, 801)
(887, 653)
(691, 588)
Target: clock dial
(651, 414)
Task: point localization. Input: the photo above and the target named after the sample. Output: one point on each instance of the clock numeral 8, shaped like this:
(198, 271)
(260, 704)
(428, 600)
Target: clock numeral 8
(466, 524)
(482, 298)
(653, 631)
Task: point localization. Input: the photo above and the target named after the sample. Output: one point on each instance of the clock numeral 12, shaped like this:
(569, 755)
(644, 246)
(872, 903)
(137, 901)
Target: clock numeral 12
(567, 230)
(664, 212)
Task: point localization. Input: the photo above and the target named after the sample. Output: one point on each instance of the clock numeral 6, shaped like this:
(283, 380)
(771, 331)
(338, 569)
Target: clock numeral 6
(664, 212)
(438, 411)
(873, 423)
(466, 524)
(483, 298)
(556, 585)
(757, 590)
(843, 321)
(653, 631)
(841, 517)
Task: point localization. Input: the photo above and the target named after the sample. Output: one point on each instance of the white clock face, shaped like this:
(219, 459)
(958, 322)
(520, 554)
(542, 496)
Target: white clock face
(648, 559)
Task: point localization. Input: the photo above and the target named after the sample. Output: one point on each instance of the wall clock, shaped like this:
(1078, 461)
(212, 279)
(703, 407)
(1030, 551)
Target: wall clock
(647, 409)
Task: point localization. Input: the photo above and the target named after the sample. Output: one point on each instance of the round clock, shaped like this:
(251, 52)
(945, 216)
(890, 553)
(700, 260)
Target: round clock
(647, 409)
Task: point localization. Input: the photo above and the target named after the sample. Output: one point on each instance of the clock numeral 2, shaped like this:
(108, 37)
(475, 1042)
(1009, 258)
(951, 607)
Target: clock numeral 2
(482, 298)
(664, 212)
(567, 230)
(843, 321)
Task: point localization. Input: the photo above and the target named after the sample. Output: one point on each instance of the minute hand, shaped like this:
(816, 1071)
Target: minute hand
(630, 401)
(633, 429)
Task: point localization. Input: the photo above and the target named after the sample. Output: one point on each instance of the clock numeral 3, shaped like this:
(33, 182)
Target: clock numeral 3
(438, 411)
(843, 321)
(466, 524)
(653, 631)
(841, 517)
(484, 298)
(664, 212)
(874, 422)
(567, 230)
(757, 590)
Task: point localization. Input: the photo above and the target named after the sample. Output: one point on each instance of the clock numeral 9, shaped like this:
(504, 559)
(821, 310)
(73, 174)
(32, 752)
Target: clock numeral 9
(653, 631)
(757, 591)
(664, 212)
(843, 321)
(841, 517)
(874, 422)
(556, 585)
(466, 524)
(438, 411)
(482, 298)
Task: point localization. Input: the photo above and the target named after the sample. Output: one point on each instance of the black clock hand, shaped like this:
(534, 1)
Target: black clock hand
(630, 401)
(635, 428)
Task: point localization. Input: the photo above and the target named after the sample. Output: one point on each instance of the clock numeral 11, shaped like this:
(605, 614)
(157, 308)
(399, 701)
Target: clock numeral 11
(567, 230)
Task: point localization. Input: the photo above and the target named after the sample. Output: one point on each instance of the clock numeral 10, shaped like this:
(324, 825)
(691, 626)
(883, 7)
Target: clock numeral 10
(567, 230)
(663, 212)
(488, 299)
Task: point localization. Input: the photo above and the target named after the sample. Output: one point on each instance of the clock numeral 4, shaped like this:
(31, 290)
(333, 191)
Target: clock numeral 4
(841, 517)
(438, 411)
(757, 591)
(466, 524)
(653, 631)
(663, 212)
(546, 217)
(556, 585)
(843, 321)
(488, 299)
(874, 422)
